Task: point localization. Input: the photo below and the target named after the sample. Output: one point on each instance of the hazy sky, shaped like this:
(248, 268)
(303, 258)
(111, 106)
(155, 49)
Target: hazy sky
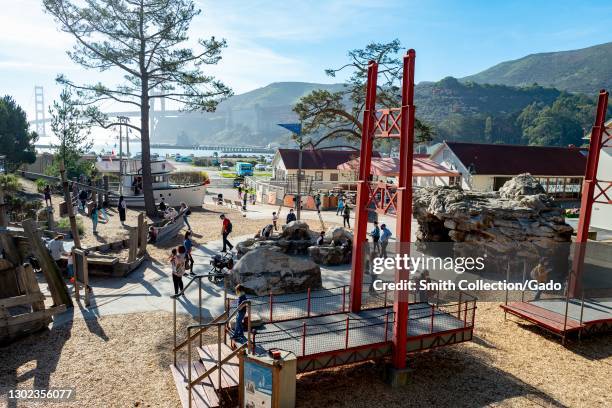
(270, 41)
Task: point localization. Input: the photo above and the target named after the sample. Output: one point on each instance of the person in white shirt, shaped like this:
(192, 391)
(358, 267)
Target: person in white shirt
(56, 247)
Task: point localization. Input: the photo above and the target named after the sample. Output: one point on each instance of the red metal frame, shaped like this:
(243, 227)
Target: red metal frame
(588, 191)
(394, 123)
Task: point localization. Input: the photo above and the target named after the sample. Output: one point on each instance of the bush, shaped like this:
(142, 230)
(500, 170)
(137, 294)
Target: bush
(40, 184)
(189, 177)
(64, 224)
(202, 161)
(9, 182)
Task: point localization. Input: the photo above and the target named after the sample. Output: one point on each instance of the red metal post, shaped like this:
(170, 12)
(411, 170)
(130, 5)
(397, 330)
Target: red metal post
(343, 298)
(386, 326)
(361, 210)
(404, 212)
(588, 188)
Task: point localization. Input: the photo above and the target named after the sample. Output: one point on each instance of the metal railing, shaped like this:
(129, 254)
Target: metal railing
(199, 278)
(220, 360)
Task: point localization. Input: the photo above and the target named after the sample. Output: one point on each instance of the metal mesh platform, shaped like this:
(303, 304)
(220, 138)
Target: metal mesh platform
(329, 333)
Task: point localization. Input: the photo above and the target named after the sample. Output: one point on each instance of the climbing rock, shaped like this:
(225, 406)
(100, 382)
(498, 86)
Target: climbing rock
(265, 270)
(329, 254)
(338, 234)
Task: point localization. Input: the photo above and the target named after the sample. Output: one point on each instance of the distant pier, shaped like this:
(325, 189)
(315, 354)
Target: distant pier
(223, 149)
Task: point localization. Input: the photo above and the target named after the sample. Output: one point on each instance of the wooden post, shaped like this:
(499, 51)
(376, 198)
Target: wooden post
(81, 274)
(50, 220)
(133, 244)
(142, 235)
(57, 286)
(29, 284)
(3, 217)
(105, 185)
(73, 225)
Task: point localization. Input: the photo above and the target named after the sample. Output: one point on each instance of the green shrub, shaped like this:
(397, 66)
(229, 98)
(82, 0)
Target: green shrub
(40, 184)
(9, 182)
(188, 177)
(64, 224)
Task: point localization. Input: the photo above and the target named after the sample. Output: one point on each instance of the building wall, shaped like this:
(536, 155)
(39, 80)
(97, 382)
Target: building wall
(602, 213)
(445, 157)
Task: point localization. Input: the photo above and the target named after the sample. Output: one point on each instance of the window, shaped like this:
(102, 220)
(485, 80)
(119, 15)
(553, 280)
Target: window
(318, 176)
(454, 181)
(333, 177)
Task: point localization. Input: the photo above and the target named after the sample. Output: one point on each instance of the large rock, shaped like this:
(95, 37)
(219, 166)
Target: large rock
(519, 219)
(338, 234)
(297, 231)
(328, 254)
(266, 269)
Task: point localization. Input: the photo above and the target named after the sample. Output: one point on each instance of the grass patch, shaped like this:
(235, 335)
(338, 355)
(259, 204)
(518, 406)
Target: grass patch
(64, 224)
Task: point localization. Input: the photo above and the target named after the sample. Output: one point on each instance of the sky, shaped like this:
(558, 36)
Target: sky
(273, 41)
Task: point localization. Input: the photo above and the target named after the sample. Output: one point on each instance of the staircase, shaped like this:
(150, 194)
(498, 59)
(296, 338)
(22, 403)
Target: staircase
(206, 394)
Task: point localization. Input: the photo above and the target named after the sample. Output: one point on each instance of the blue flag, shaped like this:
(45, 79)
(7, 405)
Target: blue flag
(292, 127)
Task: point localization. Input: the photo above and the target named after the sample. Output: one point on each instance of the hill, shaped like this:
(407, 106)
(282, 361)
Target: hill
(251, 118)
(586, 70)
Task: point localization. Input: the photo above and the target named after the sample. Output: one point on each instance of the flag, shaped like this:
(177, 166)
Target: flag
(292, 127)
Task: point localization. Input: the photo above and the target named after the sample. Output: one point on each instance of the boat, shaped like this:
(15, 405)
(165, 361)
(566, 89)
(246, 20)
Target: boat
(130, 184)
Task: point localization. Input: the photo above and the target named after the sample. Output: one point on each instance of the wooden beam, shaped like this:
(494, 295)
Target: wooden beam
(142, 235)
(29, 284)
(57, 286)
(133, 244)
(73, 224)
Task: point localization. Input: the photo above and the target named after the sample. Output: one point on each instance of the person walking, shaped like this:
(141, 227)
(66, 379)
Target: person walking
(83, 199)
(340, 208)
(122, 208)
(375, 234)
(240, 191)
(318, 203)
(384, 240)
(291, 216)
(226, 229)
(239, 329)
(275, 221)
(188, 244)
(346, 216)
(47, 194)
(245, 198)
(186, 213)
(177, 261)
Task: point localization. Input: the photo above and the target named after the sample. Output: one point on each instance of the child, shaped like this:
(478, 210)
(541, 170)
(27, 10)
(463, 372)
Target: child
(47, 193)
(177, 261)
(275, 220)
(70, 263)
(239, 330)
(188, 244)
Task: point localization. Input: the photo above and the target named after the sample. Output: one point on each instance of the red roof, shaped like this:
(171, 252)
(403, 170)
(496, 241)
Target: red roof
(499, 159)
(390, 166)
(318, 159)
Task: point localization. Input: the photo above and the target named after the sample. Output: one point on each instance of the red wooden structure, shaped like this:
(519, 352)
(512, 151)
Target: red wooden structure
(388, 123)
(593, 190)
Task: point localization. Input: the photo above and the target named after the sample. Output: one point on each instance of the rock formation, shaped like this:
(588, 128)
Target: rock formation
(520, 220)
(266, 269)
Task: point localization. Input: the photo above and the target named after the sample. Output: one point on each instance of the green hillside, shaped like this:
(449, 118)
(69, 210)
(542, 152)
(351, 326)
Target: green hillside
(585, 70)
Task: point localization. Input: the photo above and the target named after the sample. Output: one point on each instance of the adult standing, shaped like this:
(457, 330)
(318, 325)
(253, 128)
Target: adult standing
(186, 213)
(375, 234)
(318, 203)
(340, 209)
(178, 268)
(384, 240)
(226, 229)
(122, 208)
(162, 205)
(83, 199)
(291, 216)
(346, 216)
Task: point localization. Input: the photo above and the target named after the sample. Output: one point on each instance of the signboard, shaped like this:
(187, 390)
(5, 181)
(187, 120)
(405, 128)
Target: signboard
(257, 385)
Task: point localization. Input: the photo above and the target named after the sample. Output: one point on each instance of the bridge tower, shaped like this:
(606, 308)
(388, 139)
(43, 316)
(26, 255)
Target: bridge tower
(39, 103)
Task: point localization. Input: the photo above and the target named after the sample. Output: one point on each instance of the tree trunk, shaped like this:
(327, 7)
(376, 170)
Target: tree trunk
(147, 181)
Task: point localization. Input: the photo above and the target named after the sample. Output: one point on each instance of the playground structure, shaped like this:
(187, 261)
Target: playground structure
(332, 327)
(579, 310)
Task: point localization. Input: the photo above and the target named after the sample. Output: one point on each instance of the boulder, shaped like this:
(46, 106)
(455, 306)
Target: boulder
(297, 231)
(338, 234)
(328, 254)
(265, 270)
(521, 185)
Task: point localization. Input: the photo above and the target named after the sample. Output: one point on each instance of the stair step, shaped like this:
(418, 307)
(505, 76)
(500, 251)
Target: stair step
(229, 370)
(203, 395)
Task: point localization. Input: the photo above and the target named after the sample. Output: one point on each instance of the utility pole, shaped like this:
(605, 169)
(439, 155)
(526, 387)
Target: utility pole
(123, 120)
